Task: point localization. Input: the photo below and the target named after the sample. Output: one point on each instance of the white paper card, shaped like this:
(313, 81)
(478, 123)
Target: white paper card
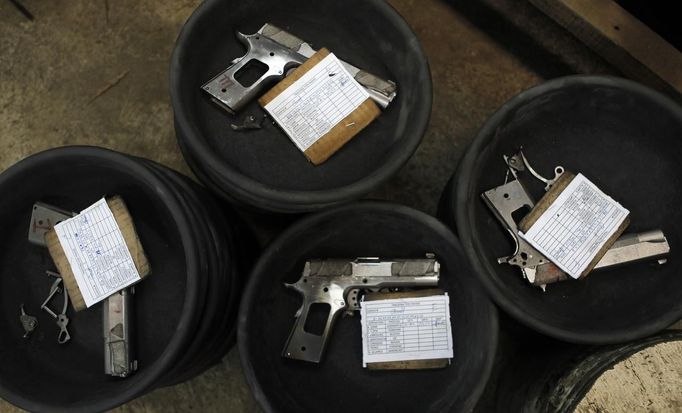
(316, 102)
(406, 329)
(576, 226)
(98, 255)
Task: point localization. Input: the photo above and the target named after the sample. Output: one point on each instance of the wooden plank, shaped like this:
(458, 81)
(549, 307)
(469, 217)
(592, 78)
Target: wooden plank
(546, 201)
(424, 292)
(621, 39)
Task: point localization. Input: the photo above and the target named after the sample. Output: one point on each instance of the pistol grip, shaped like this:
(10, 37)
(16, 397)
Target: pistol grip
(306, 346)
(229, 93)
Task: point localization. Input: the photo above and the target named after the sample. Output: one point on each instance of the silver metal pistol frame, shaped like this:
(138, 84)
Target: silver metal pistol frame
(505, 199)
(119, 355)
(280, 51)
(338, 281)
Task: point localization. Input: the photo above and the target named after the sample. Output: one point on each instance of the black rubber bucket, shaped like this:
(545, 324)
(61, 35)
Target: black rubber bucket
(185, 311)
(626, 139)
(537, 374)
(339, 383)
(262, 168)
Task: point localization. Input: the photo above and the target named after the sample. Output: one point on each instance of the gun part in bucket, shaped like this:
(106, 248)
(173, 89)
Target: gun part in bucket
(512, 196)
(119, 357)
(279, 51)
(338, 285)
(117, 309)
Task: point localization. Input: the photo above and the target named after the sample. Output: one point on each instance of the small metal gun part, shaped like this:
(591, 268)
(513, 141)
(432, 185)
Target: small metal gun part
(503, 201)
(335, 282)
(280, 52)
(558, 171)
(28, 322)
(62, 319)
(635, 247)
(249, 122)
(119, 358)
(43, 218)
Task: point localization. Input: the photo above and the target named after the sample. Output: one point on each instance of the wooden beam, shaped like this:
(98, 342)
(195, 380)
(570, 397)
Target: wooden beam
(621, 39)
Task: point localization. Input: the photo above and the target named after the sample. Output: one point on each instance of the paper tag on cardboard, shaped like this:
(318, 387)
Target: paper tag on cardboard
(576, 226)
(416, 328)
(316, 102)
(97, 253)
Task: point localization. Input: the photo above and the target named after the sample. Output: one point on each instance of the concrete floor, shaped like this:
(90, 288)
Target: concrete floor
(481, 53)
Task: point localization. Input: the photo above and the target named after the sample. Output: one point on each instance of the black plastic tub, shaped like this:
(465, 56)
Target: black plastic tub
(185, 311)
(626, 139)
(262, 168)
(339, 383)
(537, 374)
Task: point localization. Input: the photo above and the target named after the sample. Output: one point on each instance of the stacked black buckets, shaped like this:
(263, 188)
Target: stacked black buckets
(191, 306)
(265, 172)
(185, 310)
(261, 168)
(626, 138)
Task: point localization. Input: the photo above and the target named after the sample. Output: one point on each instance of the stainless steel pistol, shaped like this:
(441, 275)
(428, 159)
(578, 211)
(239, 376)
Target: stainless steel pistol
(280, 51)
(339, 285)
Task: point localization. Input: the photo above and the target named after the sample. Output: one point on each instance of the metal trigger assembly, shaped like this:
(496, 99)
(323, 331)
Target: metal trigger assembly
(61, 318)
(28, 322)
(558, 171)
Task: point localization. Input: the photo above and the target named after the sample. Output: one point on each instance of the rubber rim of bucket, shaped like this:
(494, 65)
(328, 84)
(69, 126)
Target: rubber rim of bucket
(264, 196)
(465, 196)
(574, 385)
(309, 221)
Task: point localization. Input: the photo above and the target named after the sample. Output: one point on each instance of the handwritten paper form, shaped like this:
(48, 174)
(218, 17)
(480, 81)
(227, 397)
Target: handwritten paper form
(98, 255)
(406, 329)
(576, 226)
(316, 102)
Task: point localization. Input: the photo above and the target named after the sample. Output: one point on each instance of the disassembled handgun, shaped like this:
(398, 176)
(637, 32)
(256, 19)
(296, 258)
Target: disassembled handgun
(512, 196)
(339, 284)
(280, 52)
(116, 311)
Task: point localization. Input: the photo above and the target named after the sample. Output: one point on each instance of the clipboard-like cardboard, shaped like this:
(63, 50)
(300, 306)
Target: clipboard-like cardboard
(343, 131)
(125, 224)
(548, 198)
(407, 364)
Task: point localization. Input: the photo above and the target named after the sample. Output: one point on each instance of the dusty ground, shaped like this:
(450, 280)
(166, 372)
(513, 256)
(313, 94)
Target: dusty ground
(649, 381)
(54, 70)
